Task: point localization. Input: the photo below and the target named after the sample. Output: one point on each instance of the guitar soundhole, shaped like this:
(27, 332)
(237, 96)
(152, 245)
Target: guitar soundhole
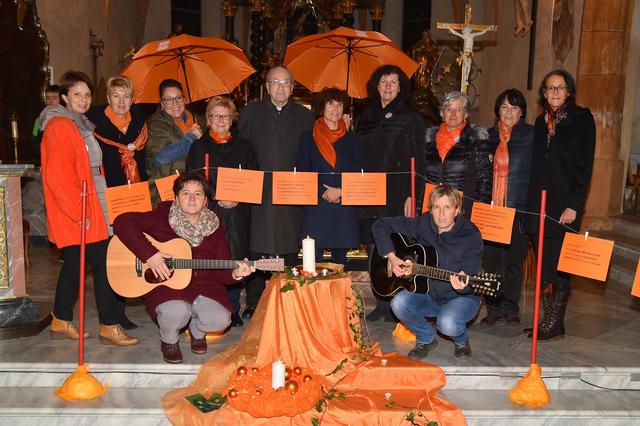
(151, 279)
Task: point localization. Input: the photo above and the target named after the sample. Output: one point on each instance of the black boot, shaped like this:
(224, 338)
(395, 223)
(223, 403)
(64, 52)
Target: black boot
(547, 302)
(382, 310)
(553, 327)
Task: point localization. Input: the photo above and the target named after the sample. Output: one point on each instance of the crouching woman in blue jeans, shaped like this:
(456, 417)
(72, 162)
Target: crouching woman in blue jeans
(458, 244)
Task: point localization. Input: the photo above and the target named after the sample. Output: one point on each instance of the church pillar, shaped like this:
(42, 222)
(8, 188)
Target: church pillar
(229, 10)
(376, 17)
(604, 43)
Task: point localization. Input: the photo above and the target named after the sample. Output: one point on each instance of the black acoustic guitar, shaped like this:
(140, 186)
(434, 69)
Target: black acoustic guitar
(422, 265)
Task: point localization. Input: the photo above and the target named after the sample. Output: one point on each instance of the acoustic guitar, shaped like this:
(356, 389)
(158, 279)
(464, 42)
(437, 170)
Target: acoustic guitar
(422, 266)
(130, 277)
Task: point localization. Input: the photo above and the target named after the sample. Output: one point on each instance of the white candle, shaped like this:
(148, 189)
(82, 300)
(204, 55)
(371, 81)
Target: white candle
(277, 374)
(309, 255)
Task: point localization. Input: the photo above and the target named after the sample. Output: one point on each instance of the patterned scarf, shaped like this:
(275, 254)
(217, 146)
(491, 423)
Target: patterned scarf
(553, 118)
(501, 167)
(446, 139)
(185, 122)
(207, 224)
(325, 137)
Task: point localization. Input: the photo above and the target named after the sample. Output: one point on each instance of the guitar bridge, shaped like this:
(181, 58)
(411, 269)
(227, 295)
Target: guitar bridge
(138, 267)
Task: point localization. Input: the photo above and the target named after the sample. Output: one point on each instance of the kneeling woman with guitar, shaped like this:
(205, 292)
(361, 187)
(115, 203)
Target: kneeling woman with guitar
(203, 301)
(446, 296)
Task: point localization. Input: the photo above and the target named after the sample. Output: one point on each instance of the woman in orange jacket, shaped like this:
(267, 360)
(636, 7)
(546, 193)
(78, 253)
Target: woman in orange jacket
(71, 155)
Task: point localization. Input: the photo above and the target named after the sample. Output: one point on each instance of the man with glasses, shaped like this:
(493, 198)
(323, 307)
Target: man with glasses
(273, 127)
(172, 130)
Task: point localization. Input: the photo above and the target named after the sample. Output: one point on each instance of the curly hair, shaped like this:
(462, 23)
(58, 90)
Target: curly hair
(372, 84)
(327, 95)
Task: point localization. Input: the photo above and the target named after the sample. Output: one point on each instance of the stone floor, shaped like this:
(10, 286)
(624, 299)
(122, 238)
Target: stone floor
(603, 340)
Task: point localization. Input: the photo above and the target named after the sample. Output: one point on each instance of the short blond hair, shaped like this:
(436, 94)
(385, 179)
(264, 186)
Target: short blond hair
(448, 191)
(119, 81)
(221, 101)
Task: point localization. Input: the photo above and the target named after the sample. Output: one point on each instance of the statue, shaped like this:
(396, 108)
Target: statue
(425, 53)
(523, 17)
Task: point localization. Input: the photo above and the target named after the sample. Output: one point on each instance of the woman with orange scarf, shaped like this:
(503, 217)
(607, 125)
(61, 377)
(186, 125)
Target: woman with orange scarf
(512, 140)
(330, 150)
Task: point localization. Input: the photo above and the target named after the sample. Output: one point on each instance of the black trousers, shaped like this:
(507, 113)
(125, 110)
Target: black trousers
(69, 283)
(507, 261)
(254, 285)
(550, 257)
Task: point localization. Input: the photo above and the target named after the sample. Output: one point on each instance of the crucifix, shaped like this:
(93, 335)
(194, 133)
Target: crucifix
(469, 32)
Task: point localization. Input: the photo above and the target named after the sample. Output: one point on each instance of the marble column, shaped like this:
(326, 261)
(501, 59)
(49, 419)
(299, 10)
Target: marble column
(604, 42)
(18, 314)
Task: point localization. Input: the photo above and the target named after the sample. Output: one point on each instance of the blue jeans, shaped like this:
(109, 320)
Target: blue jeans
(451, 317)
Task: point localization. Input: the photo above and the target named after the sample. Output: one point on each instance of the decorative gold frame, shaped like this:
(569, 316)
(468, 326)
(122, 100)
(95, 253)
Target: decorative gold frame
(4, 252)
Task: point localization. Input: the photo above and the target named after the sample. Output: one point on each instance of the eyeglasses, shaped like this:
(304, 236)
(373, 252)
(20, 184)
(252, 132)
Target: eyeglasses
(282, 83)
(174, 100)
(556, 89)
(218, 117)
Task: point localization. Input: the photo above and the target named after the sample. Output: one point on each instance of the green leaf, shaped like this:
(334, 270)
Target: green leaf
(389, 404)
(320, 405)
(315, 421)
(338, 368)
(287, 287)
(341, 395)
(331, 396)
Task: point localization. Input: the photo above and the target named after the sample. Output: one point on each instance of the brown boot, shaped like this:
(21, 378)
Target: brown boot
(61, 329)
(115, 335)
(171, 352)
(199, 346)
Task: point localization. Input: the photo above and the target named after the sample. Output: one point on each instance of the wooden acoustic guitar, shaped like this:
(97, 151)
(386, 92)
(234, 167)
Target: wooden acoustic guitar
(423, 262)
(130, 277)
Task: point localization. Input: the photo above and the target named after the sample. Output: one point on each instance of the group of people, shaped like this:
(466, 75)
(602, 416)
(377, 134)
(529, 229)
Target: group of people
(114, 144)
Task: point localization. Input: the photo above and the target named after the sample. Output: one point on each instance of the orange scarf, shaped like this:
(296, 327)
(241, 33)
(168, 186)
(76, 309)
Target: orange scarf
(121, 124)
(129, 164)
(446, 139)
(185, 126)
(219, 139)
(324, 138)
(501, 167)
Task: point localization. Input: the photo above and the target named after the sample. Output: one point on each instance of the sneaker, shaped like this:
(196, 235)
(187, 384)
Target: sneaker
(462, 351)
(421, 350)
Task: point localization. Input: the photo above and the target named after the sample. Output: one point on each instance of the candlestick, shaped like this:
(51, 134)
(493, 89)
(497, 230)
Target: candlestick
(309, 255)
(15, 135)
(277, 374)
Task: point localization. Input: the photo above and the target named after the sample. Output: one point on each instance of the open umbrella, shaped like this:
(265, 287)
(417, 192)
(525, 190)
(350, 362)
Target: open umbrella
(206, 66)
(344, 58)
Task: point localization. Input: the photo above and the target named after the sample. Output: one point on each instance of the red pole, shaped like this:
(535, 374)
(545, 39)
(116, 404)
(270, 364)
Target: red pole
(206, 167)
(413, 187)
(536, 306)
(83, 242)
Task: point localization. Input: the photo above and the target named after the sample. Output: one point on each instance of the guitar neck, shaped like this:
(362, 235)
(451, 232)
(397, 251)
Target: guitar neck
(436, 273)
(208, 264)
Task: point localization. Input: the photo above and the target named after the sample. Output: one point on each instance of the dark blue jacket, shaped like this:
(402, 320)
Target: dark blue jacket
(459, 249)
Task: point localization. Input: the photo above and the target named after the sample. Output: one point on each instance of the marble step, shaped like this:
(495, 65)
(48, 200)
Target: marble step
(136, 376)
(626, 244)
(629, 225)
(136, 407)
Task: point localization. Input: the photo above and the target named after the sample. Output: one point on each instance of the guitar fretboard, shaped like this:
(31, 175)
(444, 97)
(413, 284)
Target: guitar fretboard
(205, 263)
(436, 273)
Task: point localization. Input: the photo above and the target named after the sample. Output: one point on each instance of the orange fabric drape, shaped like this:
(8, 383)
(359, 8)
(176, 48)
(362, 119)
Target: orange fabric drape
(219, 139)
(121, 124)
(324, 137)
(309, 327)
(446, 139)
(501, 167)
(127, 160)
(185, 126)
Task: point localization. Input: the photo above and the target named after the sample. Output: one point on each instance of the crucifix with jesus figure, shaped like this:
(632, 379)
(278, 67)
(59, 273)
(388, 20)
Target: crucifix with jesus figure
(467, 32)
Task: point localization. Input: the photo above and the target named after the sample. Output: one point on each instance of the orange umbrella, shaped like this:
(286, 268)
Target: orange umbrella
(344, 58)
(206, 66)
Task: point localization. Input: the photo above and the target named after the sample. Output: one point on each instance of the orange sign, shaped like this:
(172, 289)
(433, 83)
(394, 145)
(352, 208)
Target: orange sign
(635, 290)
(165, 187)
(588, 257)
(127, 198)
(428, 187)
(495, 223)
(364, 189)
(243, 186)
(295, 188)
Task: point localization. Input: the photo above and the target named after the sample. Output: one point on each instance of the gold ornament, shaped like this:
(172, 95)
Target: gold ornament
(258, 391)
(287, 373)
(233, 392)
(254, 369)
(306, 378)
(292, 386)
(242, 370)
(297, 371)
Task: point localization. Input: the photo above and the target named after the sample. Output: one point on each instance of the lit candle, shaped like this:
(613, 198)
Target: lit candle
(309, 255)
(277, 374)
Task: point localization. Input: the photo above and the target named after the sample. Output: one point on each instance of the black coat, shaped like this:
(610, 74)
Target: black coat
(467, 166)
(459, 249)
(563, 167)
(520, 147)
(390, 137)
(332, 225)
(274, 137)
(236, 152)
(114, 173)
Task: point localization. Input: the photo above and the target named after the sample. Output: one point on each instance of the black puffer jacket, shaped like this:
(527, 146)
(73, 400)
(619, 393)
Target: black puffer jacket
(467, 166)
(390, 137)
